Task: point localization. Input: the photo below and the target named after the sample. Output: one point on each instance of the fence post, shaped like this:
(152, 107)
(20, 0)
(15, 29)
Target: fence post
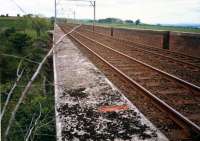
(166, 38)
(111, 31)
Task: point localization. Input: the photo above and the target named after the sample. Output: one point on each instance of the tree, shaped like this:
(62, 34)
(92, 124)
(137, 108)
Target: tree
(40, 25)
(137, 22)
(128, 21)
(18, 15)
(110, 20)
(28, 15)
(19, 41)
(33, 78)
(52, 20)
(9, 31)
(7, 15)
(28, 120)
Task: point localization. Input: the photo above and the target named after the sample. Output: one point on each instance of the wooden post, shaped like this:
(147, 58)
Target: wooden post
(166, 38)
(111, 31)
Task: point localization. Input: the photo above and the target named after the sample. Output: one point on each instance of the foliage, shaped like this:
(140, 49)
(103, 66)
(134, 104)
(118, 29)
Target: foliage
(137, 22)
(19, 41)
(17, 37)
(9, 31)
(129, 21)
(8, 22)
(27, 22)
(110, 20)
(40, 25)
(52, 20)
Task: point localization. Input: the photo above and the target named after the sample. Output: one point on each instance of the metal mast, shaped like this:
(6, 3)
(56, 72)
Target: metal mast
(55, 16)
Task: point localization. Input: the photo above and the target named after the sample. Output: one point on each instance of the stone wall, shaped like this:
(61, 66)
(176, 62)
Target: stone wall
(186, 43)
(149, 37)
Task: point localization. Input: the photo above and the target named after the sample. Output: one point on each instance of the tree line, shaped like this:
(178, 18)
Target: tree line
(116, 20)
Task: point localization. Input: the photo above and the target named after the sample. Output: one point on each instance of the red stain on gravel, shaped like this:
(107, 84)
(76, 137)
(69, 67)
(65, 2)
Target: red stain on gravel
(113, 108)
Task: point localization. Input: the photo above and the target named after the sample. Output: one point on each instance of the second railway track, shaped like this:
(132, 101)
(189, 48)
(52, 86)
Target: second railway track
(195, 61)
(165, 91)
(185, 70)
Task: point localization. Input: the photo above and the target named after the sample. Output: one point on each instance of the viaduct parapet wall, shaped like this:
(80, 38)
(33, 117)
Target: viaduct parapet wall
(186, 43)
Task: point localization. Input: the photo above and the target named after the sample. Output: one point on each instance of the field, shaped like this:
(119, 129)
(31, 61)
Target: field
(18, 23)
(146, 26)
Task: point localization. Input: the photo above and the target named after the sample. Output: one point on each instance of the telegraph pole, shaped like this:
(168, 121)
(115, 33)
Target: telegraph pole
(93, 3)
(55, 4)
(94, 14)
(74, 16)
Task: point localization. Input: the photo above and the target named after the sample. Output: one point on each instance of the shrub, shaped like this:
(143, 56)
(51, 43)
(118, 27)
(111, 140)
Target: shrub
(20, 41)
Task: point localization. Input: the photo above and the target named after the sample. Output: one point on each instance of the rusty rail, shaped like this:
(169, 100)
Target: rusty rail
(190, 85)
(154, 48)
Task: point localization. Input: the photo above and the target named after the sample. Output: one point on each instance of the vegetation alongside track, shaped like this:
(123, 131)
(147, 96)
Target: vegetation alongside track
(24, 42)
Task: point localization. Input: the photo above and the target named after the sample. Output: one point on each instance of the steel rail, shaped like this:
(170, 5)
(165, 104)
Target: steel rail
(150, 52)
(190, 85)
(186, 124)
(142, 44)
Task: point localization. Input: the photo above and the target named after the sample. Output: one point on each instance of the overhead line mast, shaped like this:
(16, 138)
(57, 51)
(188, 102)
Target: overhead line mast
(93, 4)
(55, 11)
(94, 12)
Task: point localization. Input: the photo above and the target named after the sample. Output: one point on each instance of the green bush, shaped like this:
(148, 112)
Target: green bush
(17, 42)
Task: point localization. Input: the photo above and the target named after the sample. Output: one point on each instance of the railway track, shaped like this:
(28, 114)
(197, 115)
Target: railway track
(190, 60)
(195, 61)
(163, 90)
(184, 70)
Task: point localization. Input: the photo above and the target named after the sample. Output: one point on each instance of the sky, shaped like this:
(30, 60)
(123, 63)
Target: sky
(148, 11)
